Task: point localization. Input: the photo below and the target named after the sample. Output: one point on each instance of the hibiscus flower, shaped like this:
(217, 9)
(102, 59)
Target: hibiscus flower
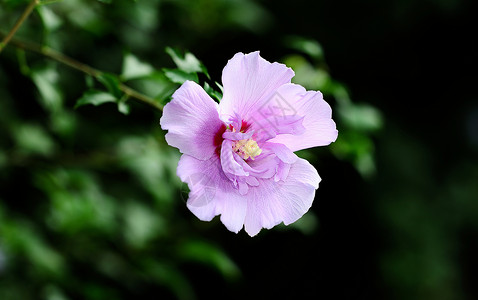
(238, 156)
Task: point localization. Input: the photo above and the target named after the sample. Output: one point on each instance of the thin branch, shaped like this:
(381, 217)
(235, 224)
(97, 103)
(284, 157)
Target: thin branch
(19, 23)
(72, 63)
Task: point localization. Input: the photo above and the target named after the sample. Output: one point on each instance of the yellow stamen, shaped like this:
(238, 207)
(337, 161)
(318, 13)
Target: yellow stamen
(247, 148)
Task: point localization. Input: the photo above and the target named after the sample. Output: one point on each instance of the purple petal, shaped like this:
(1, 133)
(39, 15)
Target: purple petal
(282, 152)
(249, 81)
(320, 128)
(236, 136)
(282, 171)
(212, 193)
(285, 201)
(229, 160)
(192, 121)
(270, 127)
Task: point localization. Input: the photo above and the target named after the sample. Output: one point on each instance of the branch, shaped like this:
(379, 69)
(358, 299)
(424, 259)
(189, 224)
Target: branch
(19, 23)
(72, 63)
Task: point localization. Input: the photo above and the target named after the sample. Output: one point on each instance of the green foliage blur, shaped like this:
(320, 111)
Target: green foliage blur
(90, 204)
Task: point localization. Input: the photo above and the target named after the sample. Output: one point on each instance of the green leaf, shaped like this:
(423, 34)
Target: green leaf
(141, 224)
(308, 75)
(203, 252)
(134, 68)
(95, 97)
(156, 84)
(308, 46)
(307, 224)
(213, 93)
(22, 239)
(169, 275)
(360, 117)
(46, 80)
(89, 81)
(112, 83)
(50, 20)
(179, 76)
(187, 63)
(124, 108)
(220, 87)
(358, 148)
(33, 139)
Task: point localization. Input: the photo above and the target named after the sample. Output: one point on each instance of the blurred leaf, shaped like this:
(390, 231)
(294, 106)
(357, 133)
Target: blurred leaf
(340, 93)
(22, 62)
(169, 275)
(50, 20)
(137, 153)
(46, 79)
(307, 224)
(76, 202)
(307, 75)
(85, 15)
(21, 239)
(33, 139)
(134, 68)
(187, 63)
(95, 98)
(124, 108)
(98, 291)
(141, 224)
(89, 81)
(179, 76)
(213, 93)
(360, 117)
(358, 148)
(220, 87)
(112, 83)
(203, 252)
(52, 292)
(248, 14)
(156, 84)
(308, 46)
(63, 123)
(3, 160)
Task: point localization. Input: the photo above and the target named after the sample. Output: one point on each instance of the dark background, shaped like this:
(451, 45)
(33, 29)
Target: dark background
(407, 232)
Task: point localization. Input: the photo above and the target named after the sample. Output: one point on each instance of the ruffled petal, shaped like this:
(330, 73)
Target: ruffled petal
(320, 129)
(282, 152)
(285, 201)
(229, 160)
(211, 192)
(267, 128)
(192, 121)
(249, 81)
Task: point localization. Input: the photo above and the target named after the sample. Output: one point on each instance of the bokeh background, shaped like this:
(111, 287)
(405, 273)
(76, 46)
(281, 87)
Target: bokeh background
(91, 208)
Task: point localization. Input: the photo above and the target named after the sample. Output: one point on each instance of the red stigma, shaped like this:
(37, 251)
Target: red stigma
(218, 138)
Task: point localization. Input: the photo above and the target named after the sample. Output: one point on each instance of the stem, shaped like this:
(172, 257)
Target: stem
(19, 23)
(72, 63)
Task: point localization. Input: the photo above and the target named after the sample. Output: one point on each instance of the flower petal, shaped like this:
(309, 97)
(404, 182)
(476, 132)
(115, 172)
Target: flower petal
(229, 160)
(285, 201)
(320, 128)
(282, 152)
(267, 128)
(212, 193)
(192, 121)
(248, 81)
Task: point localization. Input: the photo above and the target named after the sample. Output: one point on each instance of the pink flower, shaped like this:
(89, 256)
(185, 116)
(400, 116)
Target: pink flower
(238, 156)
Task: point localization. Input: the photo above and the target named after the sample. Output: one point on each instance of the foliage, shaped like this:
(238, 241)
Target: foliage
(90, 204)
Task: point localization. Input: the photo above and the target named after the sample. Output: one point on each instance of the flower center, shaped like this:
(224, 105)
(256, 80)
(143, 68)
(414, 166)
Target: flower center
(247, 148)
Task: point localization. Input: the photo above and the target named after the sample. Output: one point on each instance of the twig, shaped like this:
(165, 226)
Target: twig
(19, 23)
(72, 63)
